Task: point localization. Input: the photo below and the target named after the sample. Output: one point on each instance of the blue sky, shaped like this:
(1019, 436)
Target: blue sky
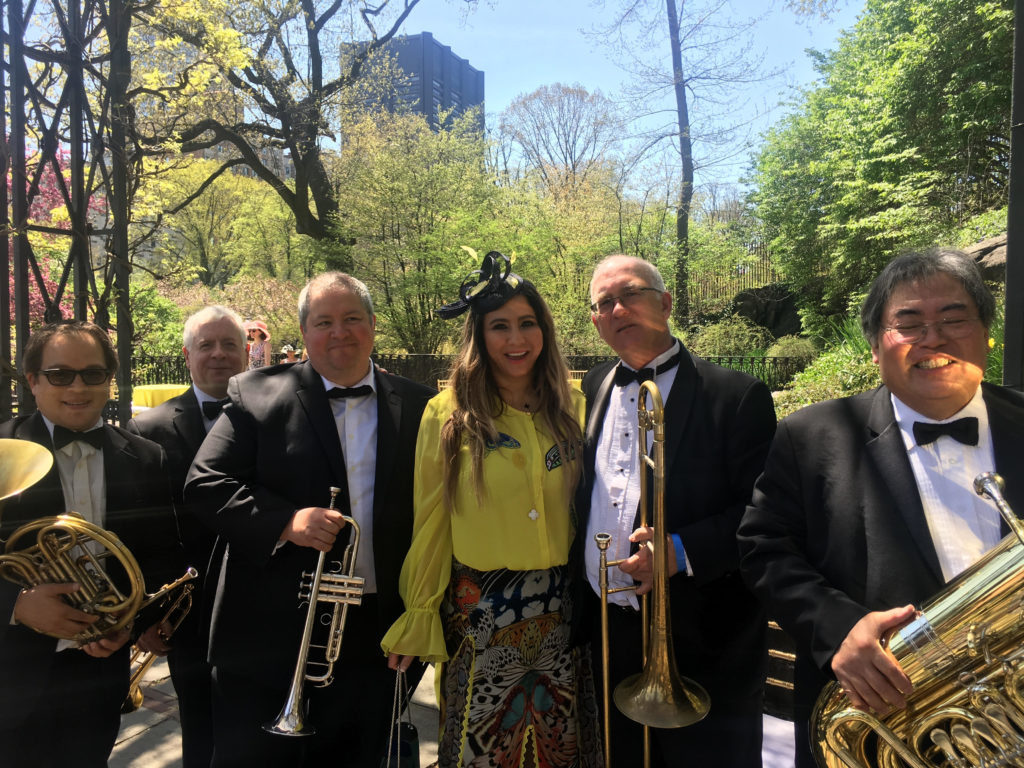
(523, 44)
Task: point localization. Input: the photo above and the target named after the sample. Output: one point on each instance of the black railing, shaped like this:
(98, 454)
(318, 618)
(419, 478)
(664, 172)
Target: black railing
(427, 369)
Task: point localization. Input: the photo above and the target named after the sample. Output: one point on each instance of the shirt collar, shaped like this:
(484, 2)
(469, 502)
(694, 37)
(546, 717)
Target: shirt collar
(369, 379)
(658, 360)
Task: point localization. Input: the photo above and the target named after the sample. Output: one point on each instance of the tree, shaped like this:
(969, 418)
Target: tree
(905, 140)
(284, 73)
(564, 133)
(710, 60)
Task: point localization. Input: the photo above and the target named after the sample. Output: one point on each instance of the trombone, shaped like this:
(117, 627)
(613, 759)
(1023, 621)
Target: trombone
(340, 588)
(658, 696)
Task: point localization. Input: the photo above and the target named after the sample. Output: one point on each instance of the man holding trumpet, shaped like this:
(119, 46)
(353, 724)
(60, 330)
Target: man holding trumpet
(60, 701)
(262, 480)
(719, 424)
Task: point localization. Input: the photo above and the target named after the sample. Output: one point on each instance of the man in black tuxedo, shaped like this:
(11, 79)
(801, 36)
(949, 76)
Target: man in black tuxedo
(718, 424)
(866, 508)
(60, 703)
(262, 477)
(214, 349)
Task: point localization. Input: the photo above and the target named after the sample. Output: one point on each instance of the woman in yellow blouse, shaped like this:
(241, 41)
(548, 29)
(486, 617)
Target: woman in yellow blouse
(485, 582)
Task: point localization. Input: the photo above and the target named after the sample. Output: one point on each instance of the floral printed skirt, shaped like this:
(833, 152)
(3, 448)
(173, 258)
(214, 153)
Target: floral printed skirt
(513, 692)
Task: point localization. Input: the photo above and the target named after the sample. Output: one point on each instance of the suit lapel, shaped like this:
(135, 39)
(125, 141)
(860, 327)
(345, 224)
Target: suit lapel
(389, 422)
(188, 421)
(678, 407)
(889, 455)
(314, 402)
(1006, 422)
(119, 462)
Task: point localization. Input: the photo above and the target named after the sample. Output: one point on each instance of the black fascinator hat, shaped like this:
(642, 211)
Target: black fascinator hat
(485, 289)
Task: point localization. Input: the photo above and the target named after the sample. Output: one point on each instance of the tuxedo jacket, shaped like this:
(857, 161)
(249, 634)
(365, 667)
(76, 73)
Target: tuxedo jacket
(836, 528)
(138, 510)
(177, 425)
(718, 427)
(275, 450)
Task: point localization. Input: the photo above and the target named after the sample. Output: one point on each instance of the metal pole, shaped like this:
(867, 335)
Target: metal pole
(1013, 351)
(6, 401)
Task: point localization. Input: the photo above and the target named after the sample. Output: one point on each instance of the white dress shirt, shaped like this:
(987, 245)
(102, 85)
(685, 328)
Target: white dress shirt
(963, 525)
(616, 493)
(356, 419)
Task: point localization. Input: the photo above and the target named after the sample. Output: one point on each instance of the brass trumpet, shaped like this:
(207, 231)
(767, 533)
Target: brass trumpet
(141, 660)
(963, 654)
(658, 696)
(67, 548)
(339, 588)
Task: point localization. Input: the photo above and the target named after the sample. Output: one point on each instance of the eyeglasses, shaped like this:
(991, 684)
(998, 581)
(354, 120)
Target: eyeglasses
(912, 333)
(63, 377)
(628, 298)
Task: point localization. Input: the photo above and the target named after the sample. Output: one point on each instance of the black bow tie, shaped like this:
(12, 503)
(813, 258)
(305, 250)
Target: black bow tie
(212, 408)
(63, 436)
(360, 391)
(625, 376)
(964, 430)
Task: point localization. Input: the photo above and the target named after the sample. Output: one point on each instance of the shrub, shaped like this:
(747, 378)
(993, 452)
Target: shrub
(732, 336)
(838, 372)
(792, 346)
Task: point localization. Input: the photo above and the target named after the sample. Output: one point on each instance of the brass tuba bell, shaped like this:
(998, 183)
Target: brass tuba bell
(964, 654)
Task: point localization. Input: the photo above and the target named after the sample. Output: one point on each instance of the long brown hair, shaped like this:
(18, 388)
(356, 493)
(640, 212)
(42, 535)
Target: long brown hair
(478, 402)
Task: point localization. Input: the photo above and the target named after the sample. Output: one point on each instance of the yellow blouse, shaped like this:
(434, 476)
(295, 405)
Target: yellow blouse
(520, 522)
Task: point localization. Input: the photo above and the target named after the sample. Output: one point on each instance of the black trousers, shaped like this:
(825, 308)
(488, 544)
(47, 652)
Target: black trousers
(352, 716)
(729, 735)
(191, 675)
(77, 716)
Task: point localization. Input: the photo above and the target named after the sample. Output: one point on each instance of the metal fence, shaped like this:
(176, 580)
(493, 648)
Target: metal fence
(427, 369)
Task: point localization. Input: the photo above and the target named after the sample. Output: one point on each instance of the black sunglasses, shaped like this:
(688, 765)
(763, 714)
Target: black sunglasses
(62, 377)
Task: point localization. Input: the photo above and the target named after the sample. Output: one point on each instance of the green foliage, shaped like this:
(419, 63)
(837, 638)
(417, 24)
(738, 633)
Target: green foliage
(732, 336)
(837, 372)
(994, 367)
(158, 321)
(981, 227)
(792, 346)
(905, 139)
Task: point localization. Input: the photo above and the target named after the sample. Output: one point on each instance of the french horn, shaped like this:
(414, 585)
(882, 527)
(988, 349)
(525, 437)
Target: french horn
(964, 656)
(66, 548)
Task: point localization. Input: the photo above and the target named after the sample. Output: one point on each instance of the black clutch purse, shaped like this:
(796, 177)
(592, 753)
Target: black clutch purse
(403, 740)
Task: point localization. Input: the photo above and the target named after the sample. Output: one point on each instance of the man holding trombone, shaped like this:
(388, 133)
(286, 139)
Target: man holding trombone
(263, 478)
(718, 426)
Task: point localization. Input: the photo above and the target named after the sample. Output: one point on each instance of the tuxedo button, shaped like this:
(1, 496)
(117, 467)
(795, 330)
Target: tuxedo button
(533, 514)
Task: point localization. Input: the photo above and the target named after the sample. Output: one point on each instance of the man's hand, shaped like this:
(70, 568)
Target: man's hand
(108, 644)
(43, 609)
(868, 673)
(315, 527)
(641, 565)
(155, 639)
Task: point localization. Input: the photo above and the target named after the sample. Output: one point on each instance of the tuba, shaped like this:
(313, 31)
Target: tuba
(965, 657)
(658, 696)
(338, 588)
(67, 548)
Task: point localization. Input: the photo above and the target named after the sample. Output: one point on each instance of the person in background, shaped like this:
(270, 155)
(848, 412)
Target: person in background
(214, 349)
(289, 354)
(259, 344)
(866, 506)
(718, 426)
(486, 583)
(262, 480)
(60, 702)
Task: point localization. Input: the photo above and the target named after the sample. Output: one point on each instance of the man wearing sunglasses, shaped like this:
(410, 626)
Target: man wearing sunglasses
(866, 507)
(115, 480)
(719, 424)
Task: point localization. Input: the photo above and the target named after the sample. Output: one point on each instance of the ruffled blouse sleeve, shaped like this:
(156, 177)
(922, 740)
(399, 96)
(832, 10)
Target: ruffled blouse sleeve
(427, 567)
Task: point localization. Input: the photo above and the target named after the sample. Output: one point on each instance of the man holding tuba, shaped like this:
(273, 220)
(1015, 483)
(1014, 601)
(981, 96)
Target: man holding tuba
(718, 424)
(263, 480)
(866, 508)
(60, 703)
